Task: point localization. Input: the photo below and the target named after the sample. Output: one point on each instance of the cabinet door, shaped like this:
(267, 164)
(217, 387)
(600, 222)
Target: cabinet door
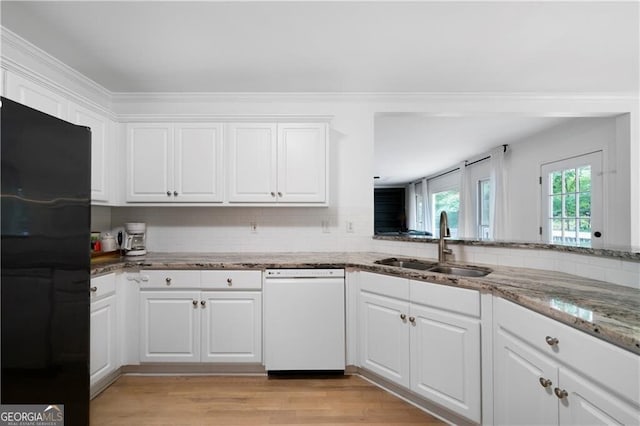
(519, 396)
(588, 403)
(99, 155)
(35, 96)
(231, 326)
(170, 326)
(198, 163)
(302, 163)
(150, 163)
(384, 337)
(251, 171)
(445, 359)
(103, 347)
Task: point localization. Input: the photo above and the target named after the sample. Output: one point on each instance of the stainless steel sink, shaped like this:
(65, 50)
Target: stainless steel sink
(406, 263)
(462, 271)
(421, 265)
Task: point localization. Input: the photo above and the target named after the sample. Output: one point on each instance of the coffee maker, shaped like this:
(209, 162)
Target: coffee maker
(134, 239)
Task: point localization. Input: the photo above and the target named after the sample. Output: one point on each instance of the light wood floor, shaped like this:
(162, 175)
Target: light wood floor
(251, 400)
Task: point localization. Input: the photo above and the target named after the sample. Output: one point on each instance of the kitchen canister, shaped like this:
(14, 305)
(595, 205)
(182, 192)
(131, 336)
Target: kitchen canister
(109, 243)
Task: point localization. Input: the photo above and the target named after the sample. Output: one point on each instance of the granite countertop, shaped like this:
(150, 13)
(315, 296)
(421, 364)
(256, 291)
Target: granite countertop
(608, 311)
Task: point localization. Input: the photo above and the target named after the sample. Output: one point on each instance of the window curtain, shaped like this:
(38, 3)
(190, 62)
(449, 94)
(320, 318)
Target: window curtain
(410, 204)
(426, 204)
(498, 218)
(466, 213)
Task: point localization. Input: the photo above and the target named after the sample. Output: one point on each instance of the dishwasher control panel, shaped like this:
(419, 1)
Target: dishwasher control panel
(304, 273)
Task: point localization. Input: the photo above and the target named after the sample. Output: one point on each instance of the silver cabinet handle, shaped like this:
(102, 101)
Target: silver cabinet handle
(175, 193)
(202, 302)
(229, 282)
(279, 194)
(560, 393)
(412, 320)
(545, 382)
(403, 317)
(168, 280)
(551, 341)
(195, 303)
(93, 289)
(168, 193)
(273, 194)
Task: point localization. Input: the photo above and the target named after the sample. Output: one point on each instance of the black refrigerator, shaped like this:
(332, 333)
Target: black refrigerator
(45, 255)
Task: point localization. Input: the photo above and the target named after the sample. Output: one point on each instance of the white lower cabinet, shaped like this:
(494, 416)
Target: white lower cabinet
(431, 347)
(384, 337)
(231, 326)
(103, 358)
(520, 397)
(170, 326)
(445, 359)
(548, 373)
(196, 325)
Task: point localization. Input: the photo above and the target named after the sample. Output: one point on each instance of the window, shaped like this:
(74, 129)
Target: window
(444, 194)
(571, 201)
(448, 201)
(420, 225)
(484, 192)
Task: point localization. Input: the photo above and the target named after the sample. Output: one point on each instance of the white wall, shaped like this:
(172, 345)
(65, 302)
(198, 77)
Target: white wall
(215, 229)
(352, 170)
(351, 143)
(575, 137)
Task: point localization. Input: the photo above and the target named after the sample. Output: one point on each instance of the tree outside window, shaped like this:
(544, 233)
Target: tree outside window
(448, 201)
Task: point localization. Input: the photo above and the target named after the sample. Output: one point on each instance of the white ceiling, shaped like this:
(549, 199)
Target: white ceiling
(337, 46)
(412, 146)
(346, 46)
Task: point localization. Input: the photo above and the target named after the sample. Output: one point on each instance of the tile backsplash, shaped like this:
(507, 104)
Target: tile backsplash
(176, 229)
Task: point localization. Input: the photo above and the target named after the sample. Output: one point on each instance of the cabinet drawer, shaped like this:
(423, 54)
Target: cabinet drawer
(102, 286)
(385, 285)
(169, 279)
(601, 361)
(231, 280)
(459, 300)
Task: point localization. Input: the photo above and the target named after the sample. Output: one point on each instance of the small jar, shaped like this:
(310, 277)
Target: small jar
(109, 243)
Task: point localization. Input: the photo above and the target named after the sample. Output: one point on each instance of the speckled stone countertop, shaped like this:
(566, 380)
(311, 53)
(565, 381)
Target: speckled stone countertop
(627, 254)
(608, 311)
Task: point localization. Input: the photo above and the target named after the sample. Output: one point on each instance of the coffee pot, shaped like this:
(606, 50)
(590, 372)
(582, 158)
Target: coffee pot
(134, 243)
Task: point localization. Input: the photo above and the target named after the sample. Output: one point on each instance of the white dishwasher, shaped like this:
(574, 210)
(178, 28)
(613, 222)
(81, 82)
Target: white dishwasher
(304, 327)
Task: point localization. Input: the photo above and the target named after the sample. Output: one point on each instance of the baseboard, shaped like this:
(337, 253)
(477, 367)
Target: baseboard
(424, 404)
(105, 382)
(175, 368)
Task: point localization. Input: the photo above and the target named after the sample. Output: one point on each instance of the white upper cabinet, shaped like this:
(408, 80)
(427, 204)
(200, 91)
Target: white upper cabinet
(283, 163)
(302, 163)
(149, 168)
(33, 95)
(251, 169)
(177, 163)
(197, 163)
(100, 135)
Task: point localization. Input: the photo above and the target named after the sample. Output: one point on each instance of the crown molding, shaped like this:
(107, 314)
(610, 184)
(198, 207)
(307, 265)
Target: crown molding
(218, 97)
(225, 118)
(13, 42)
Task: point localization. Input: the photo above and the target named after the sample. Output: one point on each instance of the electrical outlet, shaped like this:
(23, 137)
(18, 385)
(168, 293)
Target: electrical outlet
(325, 226)
(254, 227)
(350, 228)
